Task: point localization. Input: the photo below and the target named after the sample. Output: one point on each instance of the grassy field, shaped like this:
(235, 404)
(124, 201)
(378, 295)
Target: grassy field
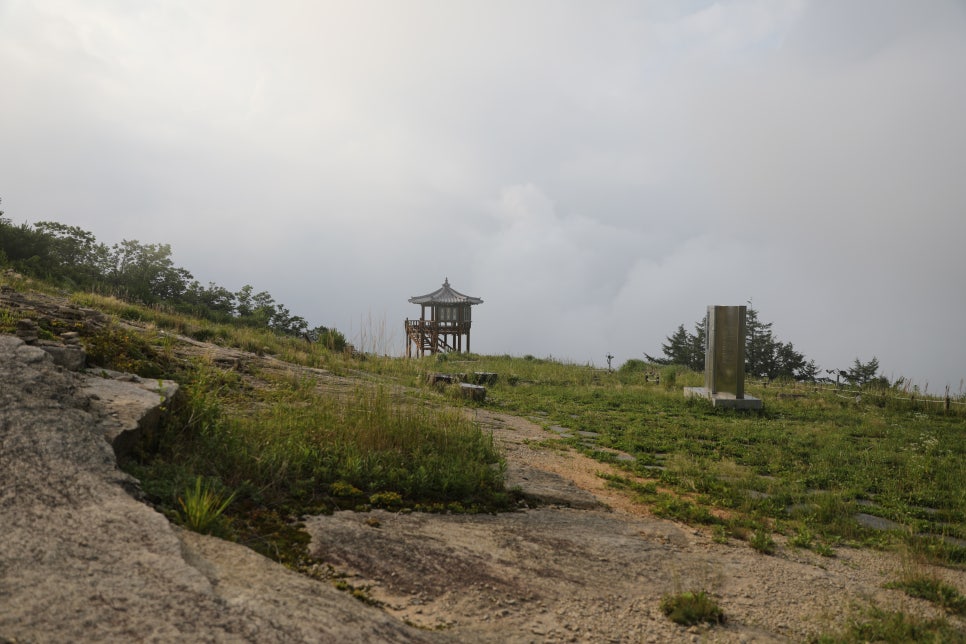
(820, 465)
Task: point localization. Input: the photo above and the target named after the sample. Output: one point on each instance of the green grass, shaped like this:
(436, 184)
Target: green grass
(933, 589)
(811, 461)
(692, 607)
(895, 628)
(202, 508)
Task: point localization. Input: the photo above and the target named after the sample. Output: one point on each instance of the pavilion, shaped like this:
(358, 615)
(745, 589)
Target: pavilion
(444, 320)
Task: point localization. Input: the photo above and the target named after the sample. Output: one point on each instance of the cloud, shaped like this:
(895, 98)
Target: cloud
(598, 174)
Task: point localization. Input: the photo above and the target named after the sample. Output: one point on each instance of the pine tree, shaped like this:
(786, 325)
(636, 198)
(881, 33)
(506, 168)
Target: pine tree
(765, 355)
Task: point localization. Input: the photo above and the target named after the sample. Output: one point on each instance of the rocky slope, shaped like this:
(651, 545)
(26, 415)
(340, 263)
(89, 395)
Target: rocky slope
(82, 560)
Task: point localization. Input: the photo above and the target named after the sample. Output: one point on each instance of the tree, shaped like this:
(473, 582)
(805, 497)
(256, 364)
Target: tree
(683, 348)
(330, 338)
(145, 272)
(73, 254)
(863, 373)
(765, 355)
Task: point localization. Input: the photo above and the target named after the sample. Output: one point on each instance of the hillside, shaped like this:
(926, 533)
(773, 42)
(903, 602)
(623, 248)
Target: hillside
(581, 556)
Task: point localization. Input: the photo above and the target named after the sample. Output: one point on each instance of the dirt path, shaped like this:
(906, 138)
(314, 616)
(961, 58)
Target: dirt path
(594, 571)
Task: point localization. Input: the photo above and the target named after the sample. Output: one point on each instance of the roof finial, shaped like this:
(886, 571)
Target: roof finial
(446, 281)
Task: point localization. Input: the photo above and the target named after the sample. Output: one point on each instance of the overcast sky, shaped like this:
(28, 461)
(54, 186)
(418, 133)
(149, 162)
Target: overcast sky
(597, 172)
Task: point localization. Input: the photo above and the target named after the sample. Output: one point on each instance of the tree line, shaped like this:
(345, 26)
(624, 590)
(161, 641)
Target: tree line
(145, 274)
(765, 355)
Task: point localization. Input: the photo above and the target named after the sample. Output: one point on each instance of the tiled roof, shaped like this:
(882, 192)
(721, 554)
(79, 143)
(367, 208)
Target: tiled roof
(445, 295)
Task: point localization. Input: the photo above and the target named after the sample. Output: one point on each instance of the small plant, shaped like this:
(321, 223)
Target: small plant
(203, 508)
(344, 489)
(823, 549)
(931, 588)
(802, 539)
(693, 607)
(762, 541)
(388, 500)
(360, 593)
(882, 626)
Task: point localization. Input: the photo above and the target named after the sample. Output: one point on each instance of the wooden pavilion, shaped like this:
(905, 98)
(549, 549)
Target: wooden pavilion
(448, 321)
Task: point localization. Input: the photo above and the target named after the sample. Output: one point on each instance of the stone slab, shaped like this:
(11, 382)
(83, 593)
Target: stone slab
(723, 399)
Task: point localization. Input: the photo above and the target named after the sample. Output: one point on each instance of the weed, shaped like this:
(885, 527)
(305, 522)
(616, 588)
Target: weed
(883, 626)
(762, 541)
(802, 539)
(935, 590)
(692, 607)
(202, 508)
(918, 581)
(823, 549)
(388, 500)
(358, 592)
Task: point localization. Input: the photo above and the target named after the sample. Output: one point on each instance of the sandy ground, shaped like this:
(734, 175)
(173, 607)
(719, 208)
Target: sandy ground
(588, 565)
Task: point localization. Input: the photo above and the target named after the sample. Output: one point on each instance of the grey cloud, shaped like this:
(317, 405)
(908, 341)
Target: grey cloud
(613, 168)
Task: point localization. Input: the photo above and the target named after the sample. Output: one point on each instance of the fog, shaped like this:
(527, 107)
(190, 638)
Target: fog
(598, 173)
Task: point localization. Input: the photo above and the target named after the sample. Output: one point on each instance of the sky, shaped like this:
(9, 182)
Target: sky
(597, 172)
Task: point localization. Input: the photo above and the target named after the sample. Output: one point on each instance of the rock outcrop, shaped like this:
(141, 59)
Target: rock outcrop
(81, 560)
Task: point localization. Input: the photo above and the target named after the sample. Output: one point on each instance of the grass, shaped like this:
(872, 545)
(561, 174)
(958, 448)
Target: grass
(923, 582)
(933, 589)
(762, 541)
(810, 461)
(692, 607)
(895, 628)
(202, 508)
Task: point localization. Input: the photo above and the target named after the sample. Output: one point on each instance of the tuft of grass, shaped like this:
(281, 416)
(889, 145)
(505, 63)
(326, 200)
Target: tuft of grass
(202, 508)
(933, 589)
(692, 607)
(762, 541)
(895, 628)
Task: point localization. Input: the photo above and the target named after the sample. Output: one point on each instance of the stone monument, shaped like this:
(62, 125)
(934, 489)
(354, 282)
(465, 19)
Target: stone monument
(724, 360)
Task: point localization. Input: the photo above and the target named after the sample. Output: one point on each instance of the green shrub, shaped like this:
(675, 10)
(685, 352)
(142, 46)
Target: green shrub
(388, 500)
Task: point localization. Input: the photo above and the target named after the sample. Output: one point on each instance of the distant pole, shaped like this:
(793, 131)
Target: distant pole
(609, 358)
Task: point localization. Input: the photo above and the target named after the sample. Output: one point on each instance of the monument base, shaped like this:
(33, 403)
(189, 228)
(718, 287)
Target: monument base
(723, 399)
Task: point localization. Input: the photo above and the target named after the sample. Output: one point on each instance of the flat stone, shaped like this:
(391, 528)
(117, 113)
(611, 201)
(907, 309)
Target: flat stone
(31, 355)
(547, 488)
(128, 406)
(723, 400)
(70, 357)
(876, 523)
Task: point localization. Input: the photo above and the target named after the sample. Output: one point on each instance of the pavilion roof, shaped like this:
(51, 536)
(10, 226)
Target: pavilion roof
(445, 295)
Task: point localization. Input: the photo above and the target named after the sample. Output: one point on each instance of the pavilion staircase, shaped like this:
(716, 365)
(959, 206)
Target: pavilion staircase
(425, 341)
